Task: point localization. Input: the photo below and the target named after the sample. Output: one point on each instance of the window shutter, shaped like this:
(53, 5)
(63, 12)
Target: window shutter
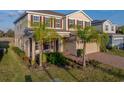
(61, 23)
(74, 23)
(51, 22)
(44, 20)
(54, 22)
(31, 22)
(40, 19)
(68, 24)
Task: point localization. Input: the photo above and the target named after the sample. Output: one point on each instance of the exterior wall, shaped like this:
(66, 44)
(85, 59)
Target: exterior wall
(91, 47)
(99, 28)
(70, 46)
(19, 31)
(109, 27)
(77, 16)
(42, 19)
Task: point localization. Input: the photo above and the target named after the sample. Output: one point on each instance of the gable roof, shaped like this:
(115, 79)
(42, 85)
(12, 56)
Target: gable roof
(99, 22)
(46, 12)
(49, 12)
(38, 11)
(79, 11)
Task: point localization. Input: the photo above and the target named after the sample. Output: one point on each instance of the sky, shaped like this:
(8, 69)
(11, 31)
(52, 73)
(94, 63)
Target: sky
(7, 17)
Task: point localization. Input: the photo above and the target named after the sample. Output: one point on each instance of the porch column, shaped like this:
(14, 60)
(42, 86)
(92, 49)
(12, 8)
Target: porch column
(54, 46)
(33, 49)
(60, 45)
(28, 48)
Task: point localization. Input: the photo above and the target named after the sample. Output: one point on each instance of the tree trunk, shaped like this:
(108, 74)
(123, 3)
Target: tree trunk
(84, 54)
(41, 54)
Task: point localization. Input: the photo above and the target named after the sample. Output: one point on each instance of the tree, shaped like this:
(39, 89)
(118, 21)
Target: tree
(87, 34)
(10, 33)
(121, 30)
(1, 33)
(104, 40)
(43, 34)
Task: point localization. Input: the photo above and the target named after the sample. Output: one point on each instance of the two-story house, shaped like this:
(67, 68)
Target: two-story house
(62, 23)
(107, 26)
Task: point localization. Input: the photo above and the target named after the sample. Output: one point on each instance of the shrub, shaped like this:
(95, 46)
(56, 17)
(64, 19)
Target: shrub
(56, 58)
(26, 59)
(79, 52)
(19, 52)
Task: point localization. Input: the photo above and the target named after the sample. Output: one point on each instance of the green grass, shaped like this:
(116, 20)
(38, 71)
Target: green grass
(116, 52)
(12, 68)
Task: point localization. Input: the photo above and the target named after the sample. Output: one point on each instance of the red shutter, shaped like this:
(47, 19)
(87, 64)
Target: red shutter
(31, 22)
(68, 24)
(74, 23)
(51, 22)
(43, 19)
(40, 19)
(54, 22)
(61, 23)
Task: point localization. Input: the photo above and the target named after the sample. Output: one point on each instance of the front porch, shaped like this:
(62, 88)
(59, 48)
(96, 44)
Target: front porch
(32, 48)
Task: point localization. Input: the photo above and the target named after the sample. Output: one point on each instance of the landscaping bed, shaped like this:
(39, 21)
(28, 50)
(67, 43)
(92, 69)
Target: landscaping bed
(12, 68)
(115, 51)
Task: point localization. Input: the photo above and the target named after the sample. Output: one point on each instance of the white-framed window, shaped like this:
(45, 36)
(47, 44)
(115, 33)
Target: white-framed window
(36, 18)
(112, 28)
(80, 23)
(48, 21)
(58, 23)
(71, 23)
(36, 46)
(106, 27)
(87, 24)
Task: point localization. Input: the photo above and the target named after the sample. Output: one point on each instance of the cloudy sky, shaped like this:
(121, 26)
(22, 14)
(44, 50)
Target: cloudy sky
(7, 17)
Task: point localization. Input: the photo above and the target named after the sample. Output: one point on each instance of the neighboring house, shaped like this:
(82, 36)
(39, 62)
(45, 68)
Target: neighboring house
(107, 26)
(104, 26)
(61, 23)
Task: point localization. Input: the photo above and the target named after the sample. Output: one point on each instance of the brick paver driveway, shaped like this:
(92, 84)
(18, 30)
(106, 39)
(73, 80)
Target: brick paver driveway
(105, 58)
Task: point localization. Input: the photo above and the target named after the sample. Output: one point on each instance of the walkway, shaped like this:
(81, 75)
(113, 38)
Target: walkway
(105, 58)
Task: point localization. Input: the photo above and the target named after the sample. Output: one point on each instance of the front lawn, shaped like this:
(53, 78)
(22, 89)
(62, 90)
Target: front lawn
(12, 68)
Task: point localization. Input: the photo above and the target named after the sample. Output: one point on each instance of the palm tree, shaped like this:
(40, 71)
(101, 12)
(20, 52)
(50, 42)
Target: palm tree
(87, 34)
(43, 34)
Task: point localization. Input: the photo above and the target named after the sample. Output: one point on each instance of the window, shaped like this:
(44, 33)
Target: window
(106, 27)
(48, 22)
(71, 23)
(46, 46)
(87, 24)
(112, 28)
(36, 18)
(36, 46)
(80, 23)
(58, 23)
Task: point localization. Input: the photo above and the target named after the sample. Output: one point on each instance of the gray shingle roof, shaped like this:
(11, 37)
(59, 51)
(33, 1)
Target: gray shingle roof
(98, 22)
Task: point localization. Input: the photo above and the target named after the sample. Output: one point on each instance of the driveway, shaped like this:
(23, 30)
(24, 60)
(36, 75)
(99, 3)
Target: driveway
(105, 58)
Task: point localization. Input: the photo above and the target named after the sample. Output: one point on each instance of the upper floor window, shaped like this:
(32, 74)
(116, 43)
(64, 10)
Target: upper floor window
(112, 28)
(36, 18)
(71, 23)
(87, 24)
(106, 27)
(58, 23)
(36, 46)
(48, 22)
(80, 23)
